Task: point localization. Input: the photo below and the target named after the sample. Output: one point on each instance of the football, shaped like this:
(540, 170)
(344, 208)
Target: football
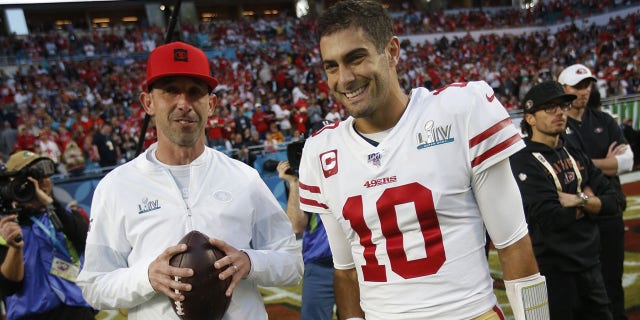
(207, 299)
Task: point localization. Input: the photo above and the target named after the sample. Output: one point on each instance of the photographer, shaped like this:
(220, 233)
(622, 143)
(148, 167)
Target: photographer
(44, 244)
(318, 298)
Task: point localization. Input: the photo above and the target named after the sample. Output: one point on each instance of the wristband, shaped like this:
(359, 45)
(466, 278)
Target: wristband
(528, 297)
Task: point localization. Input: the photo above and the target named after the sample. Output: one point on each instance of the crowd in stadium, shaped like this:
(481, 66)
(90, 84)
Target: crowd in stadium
(71, 83)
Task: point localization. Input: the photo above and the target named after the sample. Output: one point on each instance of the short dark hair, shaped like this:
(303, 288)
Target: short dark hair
(369, 15)
(525, 127)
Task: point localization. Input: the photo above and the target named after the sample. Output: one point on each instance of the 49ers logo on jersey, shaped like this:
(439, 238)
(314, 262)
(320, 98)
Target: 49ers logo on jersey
(329, 161)
(380, 181)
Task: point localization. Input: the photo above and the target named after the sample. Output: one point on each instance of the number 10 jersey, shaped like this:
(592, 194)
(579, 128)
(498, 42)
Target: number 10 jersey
(406, 209)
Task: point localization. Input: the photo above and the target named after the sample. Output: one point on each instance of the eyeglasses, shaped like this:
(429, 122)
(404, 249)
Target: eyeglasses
(553, 107)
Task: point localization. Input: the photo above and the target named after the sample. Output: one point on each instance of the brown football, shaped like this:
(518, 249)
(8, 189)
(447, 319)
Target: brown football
(207, 299)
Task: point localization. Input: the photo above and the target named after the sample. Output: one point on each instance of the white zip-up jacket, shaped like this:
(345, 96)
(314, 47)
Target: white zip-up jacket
(138, 211)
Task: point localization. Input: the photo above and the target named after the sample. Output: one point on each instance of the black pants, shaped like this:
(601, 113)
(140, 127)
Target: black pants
(577, 295)
(612, 259)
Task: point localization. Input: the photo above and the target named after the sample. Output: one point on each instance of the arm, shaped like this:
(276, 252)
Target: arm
(616, 161)
(107, 279)
(12, 267)
(517, 259)
(525, 288)
(345, 281)
(570, 200)
(347, 293)
(75, 227)
(298, 218)
(275, 256)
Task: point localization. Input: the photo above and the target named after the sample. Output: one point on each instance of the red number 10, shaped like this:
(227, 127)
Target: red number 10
(427, 219)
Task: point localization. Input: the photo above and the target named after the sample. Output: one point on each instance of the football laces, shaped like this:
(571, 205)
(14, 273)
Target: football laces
(179, 310)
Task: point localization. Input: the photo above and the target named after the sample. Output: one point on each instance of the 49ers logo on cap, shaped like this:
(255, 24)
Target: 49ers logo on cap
(180, 55)
(329, 161)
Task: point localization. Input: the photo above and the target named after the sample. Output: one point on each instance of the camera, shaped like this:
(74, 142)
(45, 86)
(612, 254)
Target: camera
(16, 187)
(294, 155)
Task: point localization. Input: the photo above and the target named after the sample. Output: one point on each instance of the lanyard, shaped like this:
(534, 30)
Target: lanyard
(69, 251)
(547, 165)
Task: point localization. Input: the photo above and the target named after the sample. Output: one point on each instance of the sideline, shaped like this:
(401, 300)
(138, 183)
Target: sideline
(628, 177)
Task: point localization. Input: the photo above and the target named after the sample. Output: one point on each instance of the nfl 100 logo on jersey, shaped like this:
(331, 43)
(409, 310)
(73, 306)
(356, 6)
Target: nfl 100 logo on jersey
(434, 135)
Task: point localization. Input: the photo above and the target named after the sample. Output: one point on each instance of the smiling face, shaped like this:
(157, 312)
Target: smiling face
(358, 76)
(181, 106)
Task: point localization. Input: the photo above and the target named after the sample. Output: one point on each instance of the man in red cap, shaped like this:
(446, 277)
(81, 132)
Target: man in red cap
(143, 208)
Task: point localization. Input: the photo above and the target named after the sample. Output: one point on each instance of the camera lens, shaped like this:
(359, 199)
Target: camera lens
(19, 189)
(23, 190)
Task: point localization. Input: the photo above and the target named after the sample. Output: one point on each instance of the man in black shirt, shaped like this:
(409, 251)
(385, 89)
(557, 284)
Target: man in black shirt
(563, 192)
(601, 138)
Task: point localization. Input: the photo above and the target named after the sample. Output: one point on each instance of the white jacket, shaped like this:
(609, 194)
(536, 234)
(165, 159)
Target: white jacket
(138, 211)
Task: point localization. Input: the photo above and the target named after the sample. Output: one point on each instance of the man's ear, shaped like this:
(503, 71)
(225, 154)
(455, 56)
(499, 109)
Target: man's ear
(145, 100)
(393, 48)
(213, 100)
(530, 119)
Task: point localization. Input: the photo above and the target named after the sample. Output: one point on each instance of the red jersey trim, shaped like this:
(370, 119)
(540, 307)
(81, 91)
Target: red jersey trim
(313, 203)
(496, 149)
(312, 189)
(489, 132)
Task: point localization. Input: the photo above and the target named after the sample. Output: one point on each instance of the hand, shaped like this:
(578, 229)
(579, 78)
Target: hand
(41, 195)
(238, 262)
(162, 274)
(284, 171)
(616, 149)
(10, 231)
(568, 200)
(588, 191)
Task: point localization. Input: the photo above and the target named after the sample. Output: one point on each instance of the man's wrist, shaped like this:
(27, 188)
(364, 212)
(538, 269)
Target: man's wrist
(584, 199)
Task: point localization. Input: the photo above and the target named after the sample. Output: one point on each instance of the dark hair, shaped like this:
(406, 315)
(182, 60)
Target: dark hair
(369, 15)
(525, 127)
(595, 100)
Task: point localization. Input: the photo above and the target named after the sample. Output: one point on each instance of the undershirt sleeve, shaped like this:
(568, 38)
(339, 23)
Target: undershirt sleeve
(500, 204)
(340, 247)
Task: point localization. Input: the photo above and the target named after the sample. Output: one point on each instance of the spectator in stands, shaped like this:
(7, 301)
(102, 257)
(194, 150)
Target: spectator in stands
(215, 126)
(333, 115)
(260, 120)
(242, 122)
(315, 114)
(563, 193)
(104, 146)
(73, 159)
(600, 137)
(270, 144)
(276, 133)
(26, 140)
(282, 115)
(300, 118)
(42, 250)
(49, 148)
(8, 138)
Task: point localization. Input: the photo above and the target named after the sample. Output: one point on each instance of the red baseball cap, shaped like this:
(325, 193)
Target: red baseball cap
(178, 59)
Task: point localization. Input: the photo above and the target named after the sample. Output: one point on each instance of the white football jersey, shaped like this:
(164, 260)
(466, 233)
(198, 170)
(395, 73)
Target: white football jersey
(407, 207)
